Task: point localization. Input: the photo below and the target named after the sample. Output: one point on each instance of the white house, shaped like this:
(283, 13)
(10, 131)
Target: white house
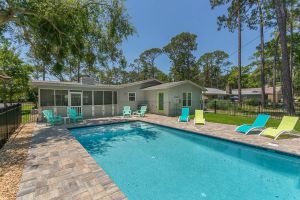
(100, 100)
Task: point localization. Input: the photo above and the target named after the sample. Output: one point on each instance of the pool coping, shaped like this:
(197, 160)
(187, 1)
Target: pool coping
(30, 184)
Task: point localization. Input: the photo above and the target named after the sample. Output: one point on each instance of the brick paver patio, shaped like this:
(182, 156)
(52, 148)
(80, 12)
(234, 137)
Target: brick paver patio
(58, 167)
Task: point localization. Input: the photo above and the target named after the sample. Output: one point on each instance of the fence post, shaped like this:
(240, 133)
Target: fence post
(234, 105)
(6, 122)
(215, 107)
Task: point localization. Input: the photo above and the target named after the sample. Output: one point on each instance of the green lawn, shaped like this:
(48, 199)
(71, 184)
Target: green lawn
(26, 112)
(239, 120)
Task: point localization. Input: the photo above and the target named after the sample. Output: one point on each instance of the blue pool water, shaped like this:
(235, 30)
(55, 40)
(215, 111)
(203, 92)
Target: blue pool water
(153, 162)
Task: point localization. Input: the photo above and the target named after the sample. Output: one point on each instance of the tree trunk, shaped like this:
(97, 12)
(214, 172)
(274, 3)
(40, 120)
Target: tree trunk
(78, 73)
(262, 53)
(291, 43)
(286, 76)
(70, 76)
(274, 71)
(291, 50)
(239, 55)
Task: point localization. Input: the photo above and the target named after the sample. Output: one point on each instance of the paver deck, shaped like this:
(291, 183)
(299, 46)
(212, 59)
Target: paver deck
(58, 167)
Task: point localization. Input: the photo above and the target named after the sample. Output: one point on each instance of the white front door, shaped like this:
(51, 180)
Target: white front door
(76, 101)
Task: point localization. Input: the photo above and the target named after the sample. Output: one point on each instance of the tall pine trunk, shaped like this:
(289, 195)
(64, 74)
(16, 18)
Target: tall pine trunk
(78, 73)
(291, 42)
(287, 92)
(274, 71)
(239, 55)
(262, 53)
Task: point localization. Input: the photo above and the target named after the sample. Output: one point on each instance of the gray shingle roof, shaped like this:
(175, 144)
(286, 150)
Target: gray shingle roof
(172, 84)
(214, 91)
(80, 85)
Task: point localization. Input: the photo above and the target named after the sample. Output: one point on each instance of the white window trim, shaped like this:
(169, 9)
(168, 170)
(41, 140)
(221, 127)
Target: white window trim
(134, 96)
(187, 99)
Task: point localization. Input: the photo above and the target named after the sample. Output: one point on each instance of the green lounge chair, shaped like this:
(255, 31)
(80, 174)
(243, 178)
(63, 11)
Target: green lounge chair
(74, 115)
(51, 118)
(126, 111)
(142, 111)
(185, 114)
(259, 123)
(199, 118)
(286, 126)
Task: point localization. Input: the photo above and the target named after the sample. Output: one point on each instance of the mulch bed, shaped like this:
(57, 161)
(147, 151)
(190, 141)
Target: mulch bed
(12, 158)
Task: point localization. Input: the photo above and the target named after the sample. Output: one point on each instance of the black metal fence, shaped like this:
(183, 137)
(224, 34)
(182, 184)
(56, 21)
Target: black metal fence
(29, 112)
(277, 111)
(10, 120)
(12, 116)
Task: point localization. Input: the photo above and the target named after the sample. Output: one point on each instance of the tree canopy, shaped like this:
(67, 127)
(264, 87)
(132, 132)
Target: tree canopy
(68, 37)
(181, 51)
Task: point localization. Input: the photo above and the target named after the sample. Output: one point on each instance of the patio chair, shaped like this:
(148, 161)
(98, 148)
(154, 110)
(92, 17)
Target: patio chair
(286, 126)
(51, 118)
(259, 123)
(74, 115)
(126, 111)
(185, 114)
(142, 111)
(199, 118)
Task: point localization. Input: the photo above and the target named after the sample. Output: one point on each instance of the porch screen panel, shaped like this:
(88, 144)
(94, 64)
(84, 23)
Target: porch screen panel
(75, 99)
(87, 98)
(46, 97)
(61, 97)
(98, 97)
(115, 97)
(107, 97)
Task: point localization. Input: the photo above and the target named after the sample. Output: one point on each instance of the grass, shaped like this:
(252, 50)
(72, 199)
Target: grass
(26, 112)
(239, 120)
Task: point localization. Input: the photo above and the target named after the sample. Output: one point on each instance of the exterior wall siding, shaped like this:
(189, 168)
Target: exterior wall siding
(152, 101)
(176, 95)
(124, 101)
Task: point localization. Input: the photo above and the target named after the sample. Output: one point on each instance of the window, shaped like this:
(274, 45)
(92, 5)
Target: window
(131, 96)
(115, 97)
(46, 97)
(107, 97)
(87, 98)
(61, 97)
(187, 99)
(98, 97)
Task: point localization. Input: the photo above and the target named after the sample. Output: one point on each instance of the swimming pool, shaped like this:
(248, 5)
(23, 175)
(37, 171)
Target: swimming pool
(154, 162)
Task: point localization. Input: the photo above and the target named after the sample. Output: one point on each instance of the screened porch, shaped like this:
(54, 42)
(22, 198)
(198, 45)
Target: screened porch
(91, 103)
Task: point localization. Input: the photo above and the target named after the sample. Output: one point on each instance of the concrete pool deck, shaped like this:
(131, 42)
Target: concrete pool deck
(58, 167)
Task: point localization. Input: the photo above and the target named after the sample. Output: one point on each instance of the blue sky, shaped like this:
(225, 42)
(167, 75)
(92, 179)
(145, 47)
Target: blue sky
(157, 21)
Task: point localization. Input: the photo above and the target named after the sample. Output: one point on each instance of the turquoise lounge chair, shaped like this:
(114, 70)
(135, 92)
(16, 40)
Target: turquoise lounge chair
(185, 114)
(142, 111)
(74, 116)
(259, 123)
(51, 118)
(126, 111)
